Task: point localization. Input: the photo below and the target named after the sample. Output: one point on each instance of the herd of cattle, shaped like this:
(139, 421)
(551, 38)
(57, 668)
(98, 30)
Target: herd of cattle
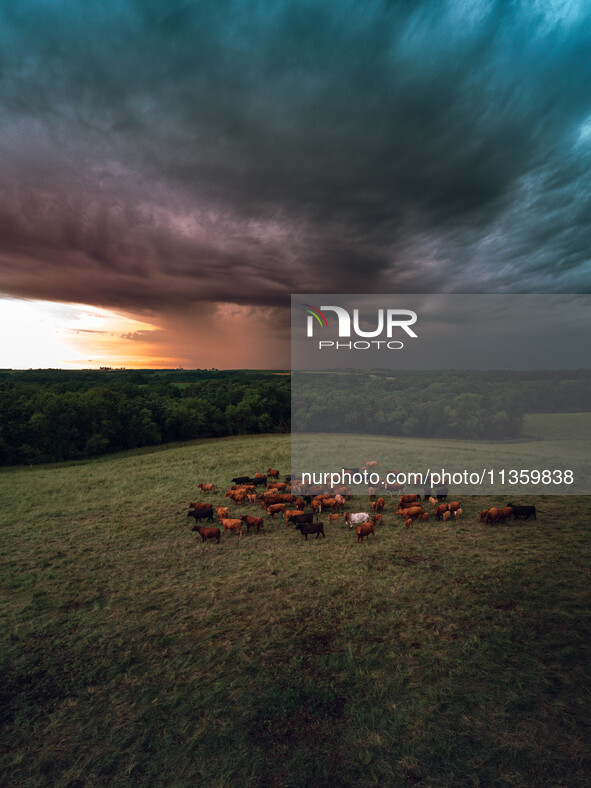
(301, 505)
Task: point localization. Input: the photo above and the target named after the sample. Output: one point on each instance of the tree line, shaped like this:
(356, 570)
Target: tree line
(56, 415)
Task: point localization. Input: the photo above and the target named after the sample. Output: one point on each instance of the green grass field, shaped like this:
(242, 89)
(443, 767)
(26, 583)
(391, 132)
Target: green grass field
(444, 655)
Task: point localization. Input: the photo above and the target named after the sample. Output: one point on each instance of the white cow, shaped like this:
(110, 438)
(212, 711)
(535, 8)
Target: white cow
(356, 518)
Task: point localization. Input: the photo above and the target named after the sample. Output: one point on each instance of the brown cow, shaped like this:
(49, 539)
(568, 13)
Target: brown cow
(408, 522)
(365, 529)
(289, 513)
(483, 515)
(276, 508)
(207, 533)
(504, 514)
(232, 525)
(378, 505)
(253, 522)
(440, 511)
(209, 488)
(453, 505)
(365, 466)
(433, 501)
(492, 514)
(408, 498)
(300, 504)
(281, 486)
(446, 516)
(200, 506)
(424, 517)
(334, 518)
(413, 513)
(458, 513)
(329, 503)
(273, 473)
(343, 490)
(223, 511)
(378, 519)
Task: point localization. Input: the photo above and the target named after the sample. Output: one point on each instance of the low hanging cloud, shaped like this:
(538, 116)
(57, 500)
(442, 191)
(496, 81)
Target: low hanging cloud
(164, 159)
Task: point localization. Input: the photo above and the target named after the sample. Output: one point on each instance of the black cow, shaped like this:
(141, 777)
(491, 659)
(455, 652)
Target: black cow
(201, 514)
(308, 517)
(442, 493)
(257, 480)
(311, 528)
(523, 511)
(241, 480)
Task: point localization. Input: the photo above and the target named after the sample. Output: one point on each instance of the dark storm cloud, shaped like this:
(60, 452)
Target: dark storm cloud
(158, 155)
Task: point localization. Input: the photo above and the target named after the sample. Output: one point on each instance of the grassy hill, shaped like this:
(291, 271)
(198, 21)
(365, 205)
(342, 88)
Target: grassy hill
(131, 654)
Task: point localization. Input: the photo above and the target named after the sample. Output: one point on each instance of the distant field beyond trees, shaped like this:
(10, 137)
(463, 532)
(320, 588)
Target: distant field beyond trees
(56, 415)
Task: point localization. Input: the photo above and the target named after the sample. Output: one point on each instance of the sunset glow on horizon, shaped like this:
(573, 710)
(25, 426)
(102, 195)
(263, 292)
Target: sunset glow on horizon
(37, 334)
(44, 334)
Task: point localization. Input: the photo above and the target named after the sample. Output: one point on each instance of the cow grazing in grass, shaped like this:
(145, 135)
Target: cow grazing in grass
(273, 473)
(276, 508)
(300, 518)
(307, 529)
(253, 522)
(356, 518)
(222, 511)
(232, 525)
(523, 511)
(201, 514)
(207, 533)
(378, 505)
(365, 529)
(201, 506)
(207, 488)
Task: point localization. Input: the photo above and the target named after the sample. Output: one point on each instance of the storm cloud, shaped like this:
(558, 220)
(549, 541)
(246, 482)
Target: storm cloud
(160, 158)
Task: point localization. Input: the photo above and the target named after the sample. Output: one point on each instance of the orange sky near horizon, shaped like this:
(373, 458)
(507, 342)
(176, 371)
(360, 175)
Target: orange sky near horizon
(44, 334)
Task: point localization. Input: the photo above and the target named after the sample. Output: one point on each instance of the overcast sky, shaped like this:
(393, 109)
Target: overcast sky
(190, 164)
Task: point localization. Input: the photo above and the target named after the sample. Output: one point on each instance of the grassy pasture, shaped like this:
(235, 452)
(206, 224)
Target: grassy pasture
(451, 654)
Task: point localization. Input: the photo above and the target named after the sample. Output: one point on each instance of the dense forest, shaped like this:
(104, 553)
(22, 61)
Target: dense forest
(53, 415)
(449, 404)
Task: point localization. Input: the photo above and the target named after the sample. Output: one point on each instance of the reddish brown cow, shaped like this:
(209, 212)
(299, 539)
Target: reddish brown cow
(209, 488)
(273, 473)
(492, 515)
(223, 511)
(365, 529)
(232, 525)
(413, 512)
(207, 533)
(329, 503)
(504, 514)
(276, 508)
(409, 498)
(334, 518)
(453, 505)
(365, 466)
(408, 522)
(200, 506)
(276, 486)
(300, 504)
(253, 522)
(378, 505)
(446, 516)
(378, 519)
(440, 511)
(424, 517)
